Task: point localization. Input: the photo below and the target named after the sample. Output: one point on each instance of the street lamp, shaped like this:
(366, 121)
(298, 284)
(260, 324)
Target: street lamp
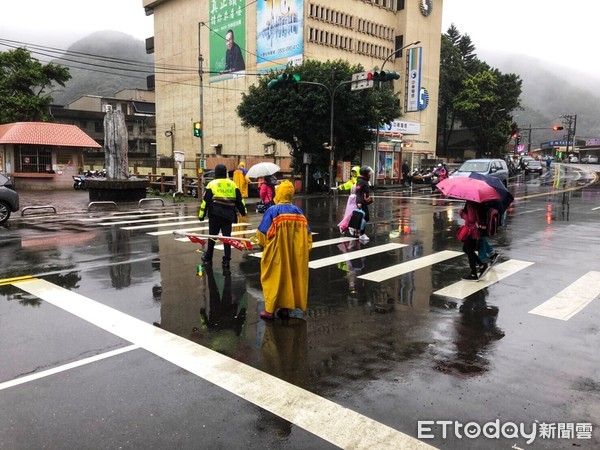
(397, 51)
(330, 146)
(382, 65)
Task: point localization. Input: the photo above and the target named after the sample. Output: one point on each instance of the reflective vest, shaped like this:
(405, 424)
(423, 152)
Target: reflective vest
(223, 190)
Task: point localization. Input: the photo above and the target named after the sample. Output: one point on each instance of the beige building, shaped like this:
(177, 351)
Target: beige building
(275, 33)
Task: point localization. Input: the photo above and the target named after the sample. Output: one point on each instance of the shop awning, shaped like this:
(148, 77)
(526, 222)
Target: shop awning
(44, 133)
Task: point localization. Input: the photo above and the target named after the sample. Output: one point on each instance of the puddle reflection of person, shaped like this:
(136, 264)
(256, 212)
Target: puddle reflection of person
(225, 310)
(284, 354)
(476, 330)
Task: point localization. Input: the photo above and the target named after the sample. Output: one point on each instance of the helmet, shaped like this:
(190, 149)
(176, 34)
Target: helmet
(365, 171)
(440, 165)
(356, 170)
(241, 164)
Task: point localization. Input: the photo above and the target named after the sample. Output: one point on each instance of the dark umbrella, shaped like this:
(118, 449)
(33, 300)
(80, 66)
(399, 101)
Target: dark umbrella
(506, 198)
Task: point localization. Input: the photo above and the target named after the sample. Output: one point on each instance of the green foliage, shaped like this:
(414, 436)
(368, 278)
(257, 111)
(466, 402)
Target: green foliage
(300, 115)
(474, 95)
(25, 86)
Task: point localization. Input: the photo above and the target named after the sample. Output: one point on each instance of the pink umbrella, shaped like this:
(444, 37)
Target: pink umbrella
(466, 188)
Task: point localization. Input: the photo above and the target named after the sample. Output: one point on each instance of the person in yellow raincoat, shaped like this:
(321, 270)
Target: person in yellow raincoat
(241, 180)
(286, 239)
(348, 185)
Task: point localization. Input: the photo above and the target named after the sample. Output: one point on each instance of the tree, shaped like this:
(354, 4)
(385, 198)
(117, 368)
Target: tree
(474, 96)
(25, 86)
(484, 106)
(299, 115)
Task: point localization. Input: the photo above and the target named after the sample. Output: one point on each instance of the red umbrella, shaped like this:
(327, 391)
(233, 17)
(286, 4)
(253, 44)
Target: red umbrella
(466, 188)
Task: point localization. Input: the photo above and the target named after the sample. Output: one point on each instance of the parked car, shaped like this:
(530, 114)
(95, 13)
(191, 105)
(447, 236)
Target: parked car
(9, 199)
(590, 159)
(534, 166)
(496, 168)
(191, 187)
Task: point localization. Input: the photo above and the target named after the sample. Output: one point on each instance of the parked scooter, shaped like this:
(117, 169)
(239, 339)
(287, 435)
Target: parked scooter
(79, 182)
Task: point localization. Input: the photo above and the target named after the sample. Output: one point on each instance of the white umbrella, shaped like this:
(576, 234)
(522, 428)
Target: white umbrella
(263, 169)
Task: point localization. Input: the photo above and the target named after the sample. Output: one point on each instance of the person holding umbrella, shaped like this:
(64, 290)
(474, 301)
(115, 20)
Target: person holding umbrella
(470, 215)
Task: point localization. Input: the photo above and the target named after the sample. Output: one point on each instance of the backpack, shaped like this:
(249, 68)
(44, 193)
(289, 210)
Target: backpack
(489, 220)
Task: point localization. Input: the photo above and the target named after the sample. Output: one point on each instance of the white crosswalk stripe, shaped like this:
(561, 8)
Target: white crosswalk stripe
(571, 299)
(332, 260)
(463, 289)
(131, 216)
(160, 225)
(317, 244)
(409, 266)
(156, 219)
(201, 228)
(310, 411)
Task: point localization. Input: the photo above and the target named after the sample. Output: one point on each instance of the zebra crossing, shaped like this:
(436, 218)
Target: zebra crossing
(562, 306)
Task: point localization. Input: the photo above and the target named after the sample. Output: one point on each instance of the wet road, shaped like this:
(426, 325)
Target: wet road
(117, 342)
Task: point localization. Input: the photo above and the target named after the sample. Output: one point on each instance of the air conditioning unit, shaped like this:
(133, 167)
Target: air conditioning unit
(108, 108)
(269, 149)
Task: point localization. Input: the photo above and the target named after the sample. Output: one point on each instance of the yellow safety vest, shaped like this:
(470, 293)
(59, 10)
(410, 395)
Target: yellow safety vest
(223, 190)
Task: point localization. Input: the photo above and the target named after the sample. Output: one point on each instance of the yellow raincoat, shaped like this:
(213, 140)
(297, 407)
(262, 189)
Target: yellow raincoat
(285, 237)
(241, 180)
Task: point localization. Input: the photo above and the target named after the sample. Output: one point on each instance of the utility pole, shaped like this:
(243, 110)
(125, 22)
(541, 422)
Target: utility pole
(571, 122)
(201, 94)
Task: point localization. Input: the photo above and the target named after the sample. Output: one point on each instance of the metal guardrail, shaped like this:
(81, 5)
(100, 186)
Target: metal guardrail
(151, 199)
(37, 207)
(101, 203)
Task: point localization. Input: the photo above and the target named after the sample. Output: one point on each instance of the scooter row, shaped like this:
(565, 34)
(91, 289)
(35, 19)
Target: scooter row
(80, 181)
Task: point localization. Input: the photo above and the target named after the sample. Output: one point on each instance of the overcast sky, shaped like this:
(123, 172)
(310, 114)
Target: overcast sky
(554, 30)
(564, 32)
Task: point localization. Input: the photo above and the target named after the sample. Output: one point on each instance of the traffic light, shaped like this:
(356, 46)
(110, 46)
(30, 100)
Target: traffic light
(383, 75)
(517, 137)
(284, 80)
(197, 129)
(556, 128)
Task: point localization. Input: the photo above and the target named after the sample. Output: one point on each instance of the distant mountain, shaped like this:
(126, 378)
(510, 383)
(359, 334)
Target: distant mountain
(104, 63)
(550, 91)
(117, 61)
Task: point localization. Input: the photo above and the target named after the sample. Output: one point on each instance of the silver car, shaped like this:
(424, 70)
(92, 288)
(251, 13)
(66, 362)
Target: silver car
(496, 168)
(9, 199)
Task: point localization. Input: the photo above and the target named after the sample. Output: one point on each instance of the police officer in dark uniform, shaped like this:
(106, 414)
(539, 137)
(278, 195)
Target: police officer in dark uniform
(221, 199)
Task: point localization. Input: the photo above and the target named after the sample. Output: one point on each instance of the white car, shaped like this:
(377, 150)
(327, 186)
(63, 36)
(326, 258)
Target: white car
(590, 159)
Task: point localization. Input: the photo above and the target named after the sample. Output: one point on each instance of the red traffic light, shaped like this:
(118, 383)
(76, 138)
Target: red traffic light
(516, 135)
(556, 128)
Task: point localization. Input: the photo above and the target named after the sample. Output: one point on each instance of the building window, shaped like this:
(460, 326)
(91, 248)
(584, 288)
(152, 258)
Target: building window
(98, 127)
(33, 159)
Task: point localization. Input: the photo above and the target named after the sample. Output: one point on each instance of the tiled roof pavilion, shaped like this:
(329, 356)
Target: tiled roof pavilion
(44, 133)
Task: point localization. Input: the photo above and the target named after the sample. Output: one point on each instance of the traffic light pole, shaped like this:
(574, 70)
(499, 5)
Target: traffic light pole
(377, 124)
(331, 117)
(201, 95)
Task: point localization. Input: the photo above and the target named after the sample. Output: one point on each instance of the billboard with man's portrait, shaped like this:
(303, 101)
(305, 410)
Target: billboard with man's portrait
(227, 39)
(279, 33)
